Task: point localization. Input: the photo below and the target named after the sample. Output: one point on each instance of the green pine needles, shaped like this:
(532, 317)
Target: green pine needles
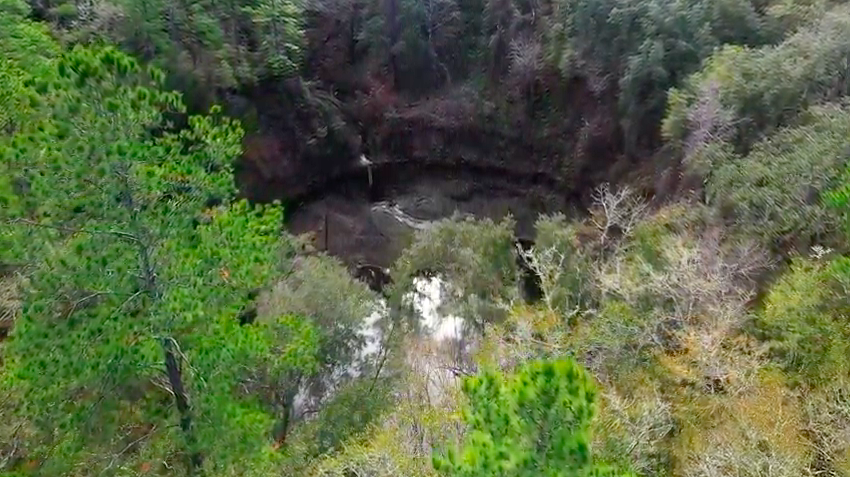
(535, 422)
(128, 353)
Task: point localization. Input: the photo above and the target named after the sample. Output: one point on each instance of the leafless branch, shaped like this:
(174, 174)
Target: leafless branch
(621, 210)
(9, 455)
(123, 451)
(707, 120)
(548, 265)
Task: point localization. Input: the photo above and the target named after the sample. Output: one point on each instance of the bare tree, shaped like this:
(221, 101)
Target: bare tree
(525, 55)
(759, 437)
(699, 288)
(828, 423)
(618, 211)
(500, 19)
(9, 302)
(560, 279)
(641, 424)
(708, 120)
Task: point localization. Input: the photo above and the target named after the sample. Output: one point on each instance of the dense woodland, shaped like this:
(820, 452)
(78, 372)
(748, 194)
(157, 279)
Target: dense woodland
(157, 319)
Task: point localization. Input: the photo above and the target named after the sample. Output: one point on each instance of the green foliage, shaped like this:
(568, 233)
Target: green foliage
(25, 49)
(416, 41)
(127, 267)
(744, 94)
(646, 46)
(532, 423)
(803, 318)
(475, 260)
(204, 45)
(128, 356)
(352, 411)
(631, 51)
(563, 268)
(321, 291)
(774, 191)
(791, 15)
(278, 27)
(343, 422)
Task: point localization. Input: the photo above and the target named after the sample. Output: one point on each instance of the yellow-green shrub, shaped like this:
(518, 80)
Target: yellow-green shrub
(804, 320)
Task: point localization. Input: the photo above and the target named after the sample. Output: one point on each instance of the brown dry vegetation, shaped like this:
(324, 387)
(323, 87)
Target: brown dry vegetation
(9, 303)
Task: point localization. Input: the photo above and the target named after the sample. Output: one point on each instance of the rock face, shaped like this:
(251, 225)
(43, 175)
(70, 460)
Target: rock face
(304, 139)
(364, 228)
(425, 160)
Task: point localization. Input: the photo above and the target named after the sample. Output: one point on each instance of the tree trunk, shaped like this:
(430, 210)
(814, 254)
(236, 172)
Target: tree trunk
(393, 34)
(181, 400)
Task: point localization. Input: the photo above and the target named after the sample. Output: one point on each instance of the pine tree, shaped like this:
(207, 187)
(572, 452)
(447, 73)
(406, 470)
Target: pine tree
(532, 423)
(128, 353)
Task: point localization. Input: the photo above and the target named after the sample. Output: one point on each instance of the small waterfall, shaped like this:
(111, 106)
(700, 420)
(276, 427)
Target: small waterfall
(395, 212)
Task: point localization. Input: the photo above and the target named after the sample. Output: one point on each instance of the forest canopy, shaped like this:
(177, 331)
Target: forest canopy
(686, 316)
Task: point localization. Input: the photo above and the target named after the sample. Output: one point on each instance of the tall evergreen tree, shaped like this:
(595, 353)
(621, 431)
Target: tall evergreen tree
(128, 354)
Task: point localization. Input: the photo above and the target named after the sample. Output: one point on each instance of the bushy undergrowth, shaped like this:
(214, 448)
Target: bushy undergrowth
(692, 380)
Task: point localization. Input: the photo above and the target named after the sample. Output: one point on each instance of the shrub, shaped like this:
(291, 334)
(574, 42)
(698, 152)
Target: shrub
(827, 412)
(320, 291)
(422, 414)
(753, 434)
(9, 302)
(561, 265)
(676, 291)
(751, 92)
(475, 261)
(774, 192)
(634, 428)
(803, 319)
